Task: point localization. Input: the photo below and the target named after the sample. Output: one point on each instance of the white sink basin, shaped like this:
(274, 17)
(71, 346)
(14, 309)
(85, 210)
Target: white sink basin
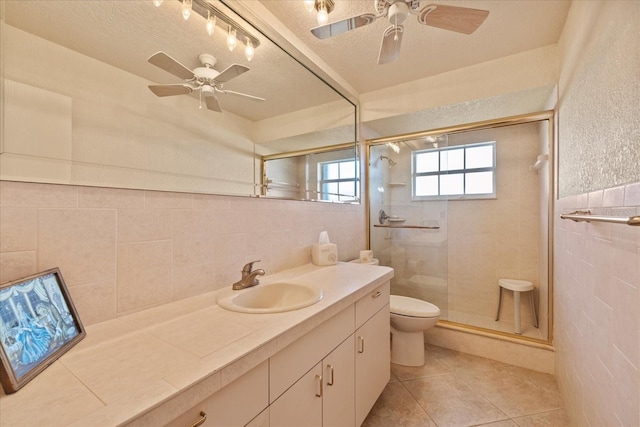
(270, 298)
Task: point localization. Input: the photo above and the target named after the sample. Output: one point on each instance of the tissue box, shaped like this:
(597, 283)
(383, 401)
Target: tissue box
(324, 254)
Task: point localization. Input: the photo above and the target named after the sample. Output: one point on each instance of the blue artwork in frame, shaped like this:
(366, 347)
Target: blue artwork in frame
(38, 323)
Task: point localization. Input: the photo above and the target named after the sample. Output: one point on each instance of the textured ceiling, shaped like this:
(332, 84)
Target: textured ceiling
(512, 26)
(125, 33)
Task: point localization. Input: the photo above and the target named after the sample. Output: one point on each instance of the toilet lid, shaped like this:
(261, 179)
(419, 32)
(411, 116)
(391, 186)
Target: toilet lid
(407, 306)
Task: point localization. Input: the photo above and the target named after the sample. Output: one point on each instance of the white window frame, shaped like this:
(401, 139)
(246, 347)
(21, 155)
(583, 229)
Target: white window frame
(464, 171)
(325, 196)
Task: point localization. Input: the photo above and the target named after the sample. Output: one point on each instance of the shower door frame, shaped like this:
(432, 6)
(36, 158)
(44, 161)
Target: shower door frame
(548, 115)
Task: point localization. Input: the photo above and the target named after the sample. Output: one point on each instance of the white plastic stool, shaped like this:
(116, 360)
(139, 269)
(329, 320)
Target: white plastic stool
(517, 286)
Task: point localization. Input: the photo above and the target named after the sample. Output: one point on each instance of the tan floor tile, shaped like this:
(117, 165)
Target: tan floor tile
(505, 423)
(450, 402)
(431, 367)
(557, 418)
(396, 407)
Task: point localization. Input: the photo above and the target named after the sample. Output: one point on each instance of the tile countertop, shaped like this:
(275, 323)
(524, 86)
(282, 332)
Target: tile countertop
(146, 368)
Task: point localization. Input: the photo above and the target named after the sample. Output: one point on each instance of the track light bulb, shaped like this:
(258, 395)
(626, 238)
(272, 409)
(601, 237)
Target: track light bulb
(157, 3)
(211, 23)
(186, 9)
(231, 39)
(323, 15)
(310, 5)
(249, 51)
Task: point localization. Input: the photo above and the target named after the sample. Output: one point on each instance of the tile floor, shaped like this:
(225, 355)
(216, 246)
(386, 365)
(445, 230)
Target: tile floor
(458, 389)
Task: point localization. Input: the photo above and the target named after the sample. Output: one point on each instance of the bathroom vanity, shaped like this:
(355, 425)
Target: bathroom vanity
(192, 361)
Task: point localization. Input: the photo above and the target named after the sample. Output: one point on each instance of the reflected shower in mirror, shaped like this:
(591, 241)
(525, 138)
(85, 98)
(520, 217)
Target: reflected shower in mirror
(463, 210)
(78, 109)
(330, 174)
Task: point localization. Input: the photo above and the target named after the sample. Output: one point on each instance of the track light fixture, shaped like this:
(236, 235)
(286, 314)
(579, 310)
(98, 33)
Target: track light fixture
(214, 17)
(322, 7)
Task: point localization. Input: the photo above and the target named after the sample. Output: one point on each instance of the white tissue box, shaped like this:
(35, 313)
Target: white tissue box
(324, 254)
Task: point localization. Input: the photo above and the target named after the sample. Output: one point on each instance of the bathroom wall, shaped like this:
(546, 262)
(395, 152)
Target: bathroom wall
(597, 265)
(123, 250)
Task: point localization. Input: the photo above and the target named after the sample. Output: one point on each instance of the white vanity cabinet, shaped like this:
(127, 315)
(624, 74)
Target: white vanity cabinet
(331, 376)
(373, 357)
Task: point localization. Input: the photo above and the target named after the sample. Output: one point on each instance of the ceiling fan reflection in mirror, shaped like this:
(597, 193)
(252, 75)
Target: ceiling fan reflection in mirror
(453, 18)
(205, 79)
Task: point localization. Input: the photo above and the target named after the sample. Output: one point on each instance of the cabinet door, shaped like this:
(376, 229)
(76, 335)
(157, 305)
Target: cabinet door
(338, 405)
(300, 405)
(372, 362)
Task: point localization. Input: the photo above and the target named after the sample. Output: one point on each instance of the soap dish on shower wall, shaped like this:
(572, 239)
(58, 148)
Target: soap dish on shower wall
(396, 220)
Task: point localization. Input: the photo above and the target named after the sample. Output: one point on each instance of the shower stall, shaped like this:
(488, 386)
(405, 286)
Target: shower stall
(455, 210)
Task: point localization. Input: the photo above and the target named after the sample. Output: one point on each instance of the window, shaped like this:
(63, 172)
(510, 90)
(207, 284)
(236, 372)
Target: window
(463, 171)
(339, 180)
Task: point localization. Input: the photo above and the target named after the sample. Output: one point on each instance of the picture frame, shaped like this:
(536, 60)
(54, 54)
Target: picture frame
(38, 324)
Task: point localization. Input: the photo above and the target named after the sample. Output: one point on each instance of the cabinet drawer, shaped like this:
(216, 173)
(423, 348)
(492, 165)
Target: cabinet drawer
(234, 405)
(371, 303)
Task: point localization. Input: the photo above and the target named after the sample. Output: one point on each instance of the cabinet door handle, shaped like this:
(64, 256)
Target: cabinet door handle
(376, 295)
(319, 388)
(203, 418)
(360, 344)
(330, 375)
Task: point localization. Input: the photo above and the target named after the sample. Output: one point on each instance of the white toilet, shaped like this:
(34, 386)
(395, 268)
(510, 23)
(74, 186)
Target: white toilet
(410, 317)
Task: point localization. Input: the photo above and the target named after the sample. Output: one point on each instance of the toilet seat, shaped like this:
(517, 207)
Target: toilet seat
(412, 307)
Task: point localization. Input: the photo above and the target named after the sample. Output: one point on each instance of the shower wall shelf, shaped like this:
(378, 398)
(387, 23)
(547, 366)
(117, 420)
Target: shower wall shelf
(424, 227)
(397, 184)
(586, 216)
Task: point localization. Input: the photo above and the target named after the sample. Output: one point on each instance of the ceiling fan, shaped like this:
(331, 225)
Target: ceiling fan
(459, 19)
(204, 79)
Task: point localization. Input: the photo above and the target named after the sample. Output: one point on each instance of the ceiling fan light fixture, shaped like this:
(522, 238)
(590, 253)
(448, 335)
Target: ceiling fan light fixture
(211, 23)
(323, 14)
(186, 9)
(232, 41)
(249, 51)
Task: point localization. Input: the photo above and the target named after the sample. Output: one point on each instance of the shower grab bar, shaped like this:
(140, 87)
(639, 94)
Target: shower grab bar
(406, 226)
(586, 216)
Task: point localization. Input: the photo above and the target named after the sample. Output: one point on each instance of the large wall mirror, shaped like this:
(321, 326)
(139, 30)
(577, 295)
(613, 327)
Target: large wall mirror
(77, 107)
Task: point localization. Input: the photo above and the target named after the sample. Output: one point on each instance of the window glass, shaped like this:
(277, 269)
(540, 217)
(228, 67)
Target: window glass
(458, 172)
(427, 162)
(480, 157)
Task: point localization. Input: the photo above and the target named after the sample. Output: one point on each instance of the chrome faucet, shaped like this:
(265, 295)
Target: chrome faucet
(249, 277)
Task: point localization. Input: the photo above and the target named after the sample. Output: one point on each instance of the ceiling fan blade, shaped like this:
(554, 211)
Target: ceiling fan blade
(231, 72)
(453, 18)
(170, 90)
(170, 65)
(330, 30)
(391, 43)
(244, 95)
(212, 102)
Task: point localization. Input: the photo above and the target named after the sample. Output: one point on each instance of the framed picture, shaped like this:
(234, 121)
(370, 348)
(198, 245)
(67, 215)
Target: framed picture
(38, 324)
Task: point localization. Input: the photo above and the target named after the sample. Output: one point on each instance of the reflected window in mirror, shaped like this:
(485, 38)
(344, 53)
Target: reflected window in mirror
(339, 180)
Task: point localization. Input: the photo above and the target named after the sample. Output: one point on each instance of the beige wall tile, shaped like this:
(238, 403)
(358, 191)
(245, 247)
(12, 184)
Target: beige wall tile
(38, 195)
(81, 242)
(167, 200)
(14, 265)
(96, 197)
(144, 275)
(95, 302)
(192, 233)
(17, 229)
(142, 225)
(192, 280)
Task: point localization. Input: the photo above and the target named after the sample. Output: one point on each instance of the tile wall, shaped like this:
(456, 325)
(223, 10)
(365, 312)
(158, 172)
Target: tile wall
(121, 250)
(597, 321)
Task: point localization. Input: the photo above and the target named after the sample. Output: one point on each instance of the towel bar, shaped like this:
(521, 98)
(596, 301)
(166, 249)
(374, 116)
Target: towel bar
(586, 216)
